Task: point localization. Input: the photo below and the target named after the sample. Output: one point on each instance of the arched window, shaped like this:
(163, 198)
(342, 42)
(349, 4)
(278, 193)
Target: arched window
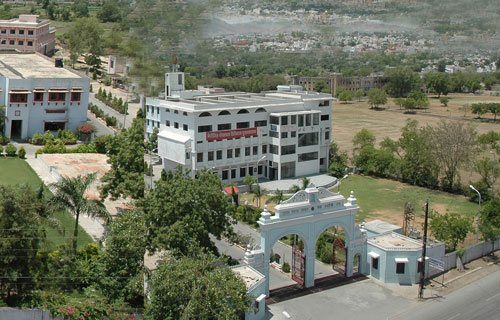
(243, 111)
(205, 114)
(224, 113)
(260, 110)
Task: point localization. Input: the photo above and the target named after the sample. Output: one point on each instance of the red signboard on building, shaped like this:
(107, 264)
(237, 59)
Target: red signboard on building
(231, 134)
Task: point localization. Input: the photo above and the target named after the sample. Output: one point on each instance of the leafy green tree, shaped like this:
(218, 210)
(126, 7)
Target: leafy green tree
(111, 11)
(305, 182)
(70, 194)
(345, 96)
(420, 99)
(437, 82)
(85, 37)
(121, 276)
(153, 140)
(479, 108)
(358, 94)
(401, 81)
(489, 220)
(453, 146)
(451, 228)
(249, 181)
(376, 97)
(80, 8)
(126, 156)
(182, 212)
(220, 71)
(363, 138)
(444, 101)
(338, 161)
(21, 231)
(190, 288)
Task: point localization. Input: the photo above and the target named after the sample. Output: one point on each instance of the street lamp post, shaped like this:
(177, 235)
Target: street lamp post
(257, 165)
(338, 183)
(478, 193)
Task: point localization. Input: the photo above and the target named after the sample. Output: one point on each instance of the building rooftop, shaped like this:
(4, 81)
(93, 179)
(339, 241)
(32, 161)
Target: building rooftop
(395, 241)
(380, 227)
(238, 100)
(24, 19)
(31, 66)
(249, 275)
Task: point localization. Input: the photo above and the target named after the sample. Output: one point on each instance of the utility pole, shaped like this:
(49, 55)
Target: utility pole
(424, 249)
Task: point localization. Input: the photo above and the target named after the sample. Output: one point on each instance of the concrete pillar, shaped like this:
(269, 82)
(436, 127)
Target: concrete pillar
(349, 264)
(310, 258)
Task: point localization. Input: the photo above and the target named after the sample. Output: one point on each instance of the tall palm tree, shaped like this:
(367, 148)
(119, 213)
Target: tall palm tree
(69, 194)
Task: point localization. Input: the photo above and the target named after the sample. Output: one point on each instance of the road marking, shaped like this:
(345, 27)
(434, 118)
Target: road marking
(453, 317)
(493, 296)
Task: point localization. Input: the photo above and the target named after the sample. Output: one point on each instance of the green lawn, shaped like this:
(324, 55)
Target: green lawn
(385, 199)
(16, 171)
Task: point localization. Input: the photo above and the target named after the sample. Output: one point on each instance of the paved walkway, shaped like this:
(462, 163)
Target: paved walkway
(320, 180)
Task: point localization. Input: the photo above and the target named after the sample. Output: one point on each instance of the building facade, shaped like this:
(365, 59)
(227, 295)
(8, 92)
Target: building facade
(274, 135)
(337, 82)
(39, 96)
(27, 34)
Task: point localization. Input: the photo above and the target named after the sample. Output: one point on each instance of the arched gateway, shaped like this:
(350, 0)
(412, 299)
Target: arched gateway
(307, 214)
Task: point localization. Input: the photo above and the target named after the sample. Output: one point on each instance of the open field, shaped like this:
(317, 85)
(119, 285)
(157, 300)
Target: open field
(16, 171)
(385, 199)
(349, 118)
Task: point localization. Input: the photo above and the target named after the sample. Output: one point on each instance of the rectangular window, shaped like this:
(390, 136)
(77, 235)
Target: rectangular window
(185, 113)
(219, 154)
(176, 125)
(204, 128)
(293, 134)
(288, 149)
(38, 96)
(176, 111)
(185, 127)
(3, 41)
(284, 120)
(225, 174)
(375, 263)
(30, 32)
(12, 31)
(229, 153)
(167, 123)
(242, 125)
(293, 119)
(321, 161)
(199, 157)
(250, 171)
(284, 135)
(12, 42)
(325, 117)
(273, 149)
(420, 265)
(327, 135)
(255, 150)
(243, 172)
(247, 151)
(187, 155)
(19, 97)
(274, 134)
(179, 79)
(301, 120)
(308, 156)
(20, 42)
(264, 148)
(158, 110)
(76, 96)
(57, 96)
(274, 120)
(259, 170)
(210, 156)
(3, 31)
(324, 103)
(400, 267)
(233, 173)
(224, 126)
(260, 123)
(237, 152)
(308, 120)
(308, 139)
(315, 119)
(21, 31)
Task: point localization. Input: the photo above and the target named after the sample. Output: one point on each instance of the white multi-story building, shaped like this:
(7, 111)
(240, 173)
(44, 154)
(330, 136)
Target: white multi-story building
(39, 96)
(274, 135)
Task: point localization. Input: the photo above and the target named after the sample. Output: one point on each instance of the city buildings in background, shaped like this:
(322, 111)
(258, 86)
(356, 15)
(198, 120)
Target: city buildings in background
(40, 96)
(275, 135)
(27, 33)
(337, 82)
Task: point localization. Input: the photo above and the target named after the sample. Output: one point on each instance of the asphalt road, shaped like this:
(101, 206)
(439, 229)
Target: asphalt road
(478, 300)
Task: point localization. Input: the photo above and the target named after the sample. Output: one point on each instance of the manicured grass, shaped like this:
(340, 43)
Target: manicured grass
(385, 199)
(16, 171)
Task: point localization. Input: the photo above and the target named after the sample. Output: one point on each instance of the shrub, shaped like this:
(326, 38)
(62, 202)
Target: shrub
(67, 137)
(3, 140)
(286, 267)
(53, 146)
(48, 136)
(22, 153)
(86, 128)
(111, 121)
(101, 142)
(10, 150)
(84, 148)
(37, 139)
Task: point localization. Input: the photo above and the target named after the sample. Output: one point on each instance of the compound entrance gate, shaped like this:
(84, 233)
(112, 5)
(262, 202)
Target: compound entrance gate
(307, 214)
